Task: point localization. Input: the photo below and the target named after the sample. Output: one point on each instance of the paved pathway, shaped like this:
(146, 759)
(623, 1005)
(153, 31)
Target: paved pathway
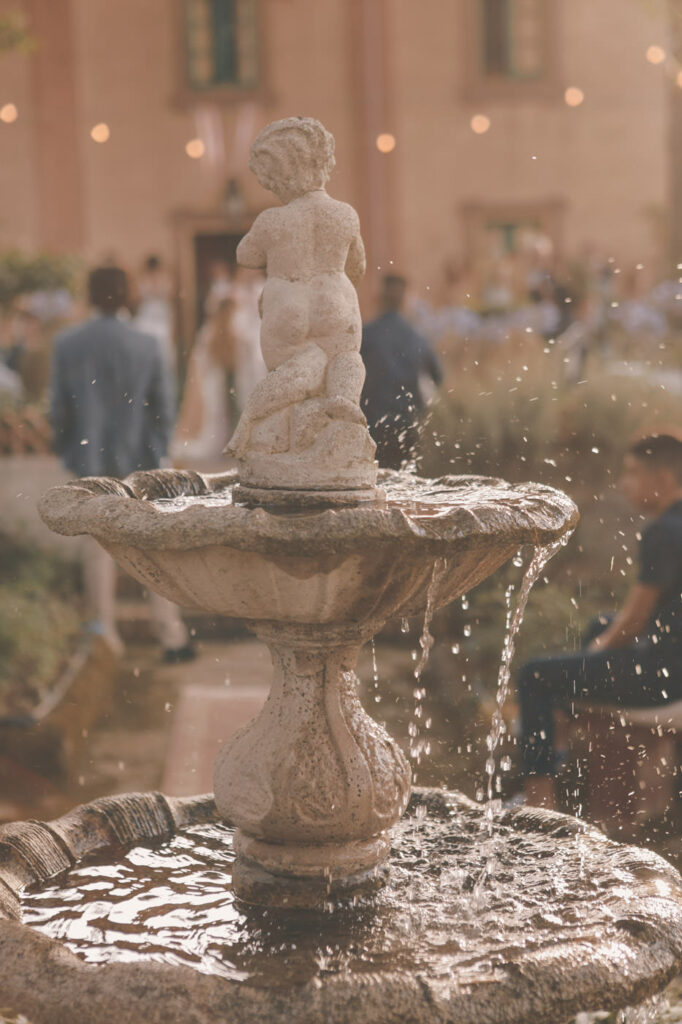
(223, 690)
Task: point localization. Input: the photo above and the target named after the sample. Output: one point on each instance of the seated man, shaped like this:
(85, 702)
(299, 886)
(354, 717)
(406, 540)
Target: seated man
(636, 661)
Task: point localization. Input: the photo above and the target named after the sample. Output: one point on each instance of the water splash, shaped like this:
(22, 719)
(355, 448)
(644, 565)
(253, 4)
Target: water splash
(172, 902)
(514, 618)
(419, 745)
(375, 673)
(651, 1011)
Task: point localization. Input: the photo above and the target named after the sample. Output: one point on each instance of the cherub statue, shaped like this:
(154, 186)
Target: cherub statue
(313, 256)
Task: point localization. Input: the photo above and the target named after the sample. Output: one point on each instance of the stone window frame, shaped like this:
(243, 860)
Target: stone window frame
(478, 86)
(549, 214)
(224, 93)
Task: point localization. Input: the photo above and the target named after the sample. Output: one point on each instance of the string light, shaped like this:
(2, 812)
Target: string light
(655, 54)
(385, 142)
(574, 96)
(100, 132)
(195, 148)
(9, 113)
(480, 124)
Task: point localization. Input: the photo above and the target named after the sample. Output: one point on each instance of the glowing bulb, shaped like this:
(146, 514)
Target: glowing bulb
(480, 124)
(9, 113)
(100, 132)
(655, 54)
(574, 96)
(195, 148)
(386, 142)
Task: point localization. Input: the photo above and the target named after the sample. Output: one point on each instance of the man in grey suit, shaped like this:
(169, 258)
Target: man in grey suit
(112, 411)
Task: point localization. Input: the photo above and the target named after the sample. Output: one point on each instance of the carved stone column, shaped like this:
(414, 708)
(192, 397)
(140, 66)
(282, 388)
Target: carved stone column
(313, 783)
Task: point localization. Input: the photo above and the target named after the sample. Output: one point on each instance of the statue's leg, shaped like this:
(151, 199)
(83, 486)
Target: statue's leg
(345, 377)
(300, 377)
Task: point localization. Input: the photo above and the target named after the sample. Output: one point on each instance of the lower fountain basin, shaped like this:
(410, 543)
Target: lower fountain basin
(182, 535)
(542, 920)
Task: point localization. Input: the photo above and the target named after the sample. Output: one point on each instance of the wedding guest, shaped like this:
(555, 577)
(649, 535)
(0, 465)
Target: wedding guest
(401, 369)
(112, 409)
(634, 658)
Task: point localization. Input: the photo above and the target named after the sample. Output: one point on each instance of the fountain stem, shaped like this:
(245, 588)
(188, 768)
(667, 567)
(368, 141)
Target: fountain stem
(313, 783)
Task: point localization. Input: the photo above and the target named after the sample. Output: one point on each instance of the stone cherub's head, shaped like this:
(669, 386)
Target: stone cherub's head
(293, 156)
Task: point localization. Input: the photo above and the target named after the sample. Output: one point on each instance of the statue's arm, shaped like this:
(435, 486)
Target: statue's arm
(355, 261)
(251, 251)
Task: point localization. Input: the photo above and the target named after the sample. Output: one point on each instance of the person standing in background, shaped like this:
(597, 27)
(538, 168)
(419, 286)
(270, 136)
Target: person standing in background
(112, 407)
(154, 314)
(400, 369)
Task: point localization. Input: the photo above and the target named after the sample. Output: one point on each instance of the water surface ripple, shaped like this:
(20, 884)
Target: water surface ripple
(173, 903)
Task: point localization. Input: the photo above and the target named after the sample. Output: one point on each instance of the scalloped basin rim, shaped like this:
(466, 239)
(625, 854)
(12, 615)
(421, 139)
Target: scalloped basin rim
(182, 510)
(41, 977)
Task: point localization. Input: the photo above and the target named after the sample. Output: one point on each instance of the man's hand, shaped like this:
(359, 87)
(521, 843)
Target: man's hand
(632, 620)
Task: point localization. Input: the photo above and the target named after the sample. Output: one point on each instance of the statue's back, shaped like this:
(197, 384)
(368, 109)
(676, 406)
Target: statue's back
(310, 236)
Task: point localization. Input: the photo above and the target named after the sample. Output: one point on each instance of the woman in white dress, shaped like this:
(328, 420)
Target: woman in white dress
(205, 421)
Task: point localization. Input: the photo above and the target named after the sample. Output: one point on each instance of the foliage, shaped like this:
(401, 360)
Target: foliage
(500, 413)
(38, 618)
(513, 412)
(21, 274)
(14, 35)
(610, 408)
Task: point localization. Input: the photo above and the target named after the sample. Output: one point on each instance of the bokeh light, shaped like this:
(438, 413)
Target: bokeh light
(655, 54)
(100, 132)
(195, 148)
(9, 113)
(386, 142)
(480, 124)
(574, 96)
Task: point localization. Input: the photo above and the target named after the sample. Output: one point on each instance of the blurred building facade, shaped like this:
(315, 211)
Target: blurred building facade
(455, 131)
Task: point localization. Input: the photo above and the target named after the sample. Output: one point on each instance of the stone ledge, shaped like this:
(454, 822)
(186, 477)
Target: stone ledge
(43, 979)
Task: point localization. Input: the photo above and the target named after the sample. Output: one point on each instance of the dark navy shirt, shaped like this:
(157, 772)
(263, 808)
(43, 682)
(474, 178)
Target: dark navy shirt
(660, 564)
(395, 357)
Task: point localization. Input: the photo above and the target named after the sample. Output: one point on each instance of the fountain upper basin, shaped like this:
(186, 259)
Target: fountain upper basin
(182, 534)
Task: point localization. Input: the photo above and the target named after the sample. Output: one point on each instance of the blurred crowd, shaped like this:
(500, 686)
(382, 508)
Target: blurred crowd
(589, 305)
(214, 378)
(584, 302)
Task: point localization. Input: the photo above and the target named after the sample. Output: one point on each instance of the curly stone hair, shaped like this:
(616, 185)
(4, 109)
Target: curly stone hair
(302, 156)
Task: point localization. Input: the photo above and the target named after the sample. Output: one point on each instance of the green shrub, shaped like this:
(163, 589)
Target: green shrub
(512, 412)
(21, 274)
(38, 618)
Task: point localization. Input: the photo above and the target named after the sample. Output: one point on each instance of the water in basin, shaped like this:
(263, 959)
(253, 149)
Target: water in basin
(444, 913)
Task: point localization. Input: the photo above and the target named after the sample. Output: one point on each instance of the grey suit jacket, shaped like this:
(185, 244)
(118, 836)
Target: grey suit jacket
(112, 402)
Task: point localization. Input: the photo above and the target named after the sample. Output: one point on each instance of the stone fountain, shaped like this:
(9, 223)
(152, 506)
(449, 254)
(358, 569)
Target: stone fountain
(314, 550)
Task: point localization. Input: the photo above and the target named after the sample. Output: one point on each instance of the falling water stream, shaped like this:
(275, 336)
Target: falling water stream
(418, 745)
(540, 557)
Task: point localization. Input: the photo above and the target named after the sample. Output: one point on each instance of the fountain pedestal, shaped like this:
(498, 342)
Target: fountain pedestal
(313, 783)
(304, 547)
